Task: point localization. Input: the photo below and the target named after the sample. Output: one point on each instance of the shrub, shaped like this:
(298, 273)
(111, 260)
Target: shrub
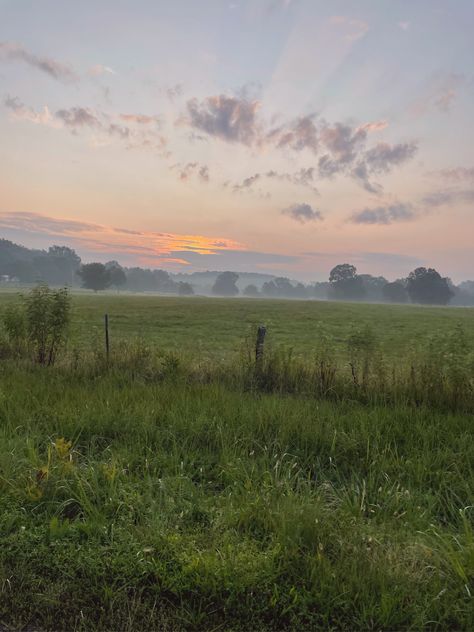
(38, 324)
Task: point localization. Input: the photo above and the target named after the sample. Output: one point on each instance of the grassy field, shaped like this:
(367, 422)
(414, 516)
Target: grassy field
(177, 488)
(217, 327)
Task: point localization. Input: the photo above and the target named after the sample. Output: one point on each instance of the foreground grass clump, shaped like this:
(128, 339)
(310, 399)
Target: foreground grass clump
(134, 500)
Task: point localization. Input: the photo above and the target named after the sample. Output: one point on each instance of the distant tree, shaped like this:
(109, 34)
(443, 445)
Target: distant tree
(345, 283)
(269, 289)
(300, 291)
(225, 284)
(319, 290)
(164, 283)
(395, 292)
(251, 291)
(118, 278)
(95, 276)
(185, 288)
(66, 264)
(427, 286)
(373, 286)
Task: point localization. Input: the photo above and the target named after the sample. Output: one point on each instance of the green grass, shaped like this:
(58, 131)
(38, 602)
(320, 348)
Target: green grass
(197, 497)
(217, 326)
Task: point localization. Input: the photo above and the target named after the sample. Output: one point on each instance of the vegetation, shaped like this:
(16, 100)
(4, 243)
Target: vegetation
(180, 486)
(61, 266)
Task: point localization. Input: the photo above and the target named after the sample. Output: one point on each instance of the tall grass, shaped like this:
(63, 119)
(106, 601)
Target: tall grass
(166, 490)
(144, 499)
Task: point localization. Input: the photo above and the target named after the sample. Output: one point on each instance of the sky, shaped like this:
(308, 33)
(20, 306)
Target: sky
(276, 136)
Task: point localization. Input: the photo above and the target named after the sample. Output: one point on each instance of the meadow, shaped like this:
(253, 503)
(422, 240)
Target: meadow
(177, 485)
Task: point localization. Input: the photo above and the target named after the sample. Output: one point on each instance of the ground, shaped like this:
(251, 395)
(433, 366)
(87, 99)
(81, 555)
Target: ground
(175, 487)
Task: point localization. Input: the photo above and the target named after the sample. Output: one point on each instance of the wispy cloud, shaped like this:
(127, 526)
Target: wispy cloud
(440, 93)
(134, 130)
(104, 239)
(98, 242)
(99, 69)
(192, 169)
(10, 51)
(455, 174)
(448, 196)
(303, 213)
(304, 177)
(384, 214)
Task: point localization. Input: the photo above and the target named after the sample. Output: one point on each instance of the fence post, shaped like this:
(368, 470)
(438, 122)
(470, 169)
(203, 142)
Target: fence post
(107, 345)
(261, 331)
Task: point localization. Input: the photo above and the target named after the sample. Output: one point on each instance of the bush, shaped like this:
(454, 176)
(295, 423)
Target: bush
(38, 325)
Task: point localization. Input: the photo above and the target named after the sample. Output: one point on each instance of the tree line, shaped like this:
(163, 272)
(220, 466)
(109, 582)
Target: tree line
(61, 266)
(423, 285)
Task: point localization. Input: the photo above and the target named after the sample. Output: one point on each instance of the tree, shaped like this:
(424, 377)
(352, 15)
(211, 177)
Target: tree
(345, 283)
(118, 278)
(67, 263)
(427, 286)
(395, 292)
(95, 276)
(185, 288)
(373, 286)
(225, 284)
(251, 291)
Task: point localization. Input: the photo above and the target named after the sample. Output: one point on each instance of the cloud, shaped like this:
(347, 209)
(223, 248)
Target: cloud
(441, 92)
(374, 126)
(141, 119)
(78, 117)
(298, 135)
(16, 52)
(190, 169)
(99, 69)
(21, 112)
(384, 214)
(303, 213)
(173, 92)
(304, 177)
(404, 25)
(341, 148)
(229, 118)
(448, 196)
(382, 157)
(246, 183)
(135, 130)
(103, 239)
(96, 242)
(456, 174)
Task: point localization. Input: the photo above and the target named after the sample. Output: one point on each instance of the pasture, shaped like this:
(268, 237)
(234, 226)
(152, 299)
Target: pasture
(175, 487)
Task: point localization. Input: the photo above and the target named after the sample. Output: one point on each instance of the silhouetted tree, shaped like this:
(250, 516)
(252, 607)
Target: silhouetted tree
(427, 286)
(66, 262)
(269, 289)
(118, 278)
(225, 284)
(251, 291)
(185, 288)
(95, 276)
(395, 292)
(345, 283)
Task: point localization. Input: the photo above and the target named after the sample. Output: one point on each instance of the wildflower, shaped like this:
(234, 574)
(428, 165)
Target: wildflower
(62, 447)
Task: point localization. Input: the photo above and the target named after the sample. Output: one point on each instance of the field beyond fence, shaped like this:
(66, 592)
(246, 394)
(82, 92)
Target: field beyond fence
(180, 484)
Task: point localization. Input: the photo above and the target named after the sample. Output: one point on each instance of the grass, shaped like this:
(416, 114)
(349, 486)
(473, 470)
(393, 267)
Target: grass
(216, 327)
(156, 493)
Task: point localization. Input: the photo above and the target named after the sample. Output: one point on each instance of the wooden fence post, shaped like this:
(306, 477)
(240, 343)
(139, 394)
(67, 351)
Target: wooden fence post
(107, 345)
(261, 331)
